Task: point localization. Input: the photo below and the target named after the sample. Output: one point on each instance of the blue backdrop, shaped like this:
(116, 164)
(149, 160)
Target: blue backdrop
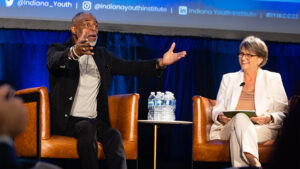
(23, 63)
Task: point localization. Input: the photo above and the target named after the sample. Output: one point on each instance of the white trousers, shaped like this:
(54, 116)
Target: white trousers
(244, 136)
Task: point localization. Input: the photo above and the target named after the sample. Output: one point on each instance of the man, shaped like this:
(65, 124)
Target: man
(79, 77)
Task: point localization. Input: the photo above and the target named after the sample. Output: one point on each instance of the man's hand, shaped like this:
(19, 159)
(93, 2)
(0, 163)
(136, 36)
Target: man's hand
(170, 57)
(82, 46)
(13, 114)
(223, 119)
(263, 119)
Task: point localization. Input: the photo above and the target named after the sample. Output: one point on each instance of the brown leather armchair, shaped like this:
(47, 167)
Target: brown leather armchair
(36, 140)
(216, 150)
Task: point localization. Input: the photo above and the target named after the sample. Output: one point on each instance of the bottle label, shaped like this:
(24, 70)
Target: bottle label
(158, 102)
(150, 103)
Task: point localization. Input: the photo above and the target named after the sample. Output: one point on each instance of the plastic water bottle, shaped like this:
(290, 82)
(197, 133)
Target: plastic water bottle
(158, 102)
(170, 105)
(166, 107)
(173, 105)
(151, 106)
(162, 104)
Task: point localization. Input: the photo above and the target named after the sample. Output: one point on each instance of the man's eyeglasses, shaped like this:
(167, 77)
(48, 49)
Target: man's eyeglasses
(246, 55)
(90, 25)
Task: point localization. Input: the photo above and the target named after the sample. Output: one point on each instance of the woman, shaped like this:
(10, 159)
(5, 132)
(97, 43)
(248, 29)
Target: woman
(249, 89)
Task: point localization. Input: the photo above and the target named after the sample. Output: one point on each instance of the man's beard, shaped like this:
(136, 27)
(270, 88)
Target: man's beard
(93, 43)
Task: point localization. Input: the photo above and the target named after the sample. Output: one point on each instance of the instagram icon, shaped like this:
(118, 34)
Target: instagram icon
(87, 5)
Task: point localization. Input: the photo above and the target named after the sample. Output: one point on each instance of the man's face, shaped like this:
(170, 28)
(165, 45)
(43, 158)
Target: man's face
(85, 27)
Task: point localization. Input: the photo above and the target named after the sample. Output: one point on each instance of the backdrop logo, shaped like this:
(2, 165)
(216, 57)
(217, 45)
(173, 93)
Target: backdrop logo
(86, 5)
(9, 3)
(182, 10)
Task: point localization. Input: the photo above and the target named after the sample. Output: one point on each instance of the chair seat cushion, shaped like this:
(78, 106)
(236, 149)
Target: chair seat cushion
(58, 146)
(218, 150)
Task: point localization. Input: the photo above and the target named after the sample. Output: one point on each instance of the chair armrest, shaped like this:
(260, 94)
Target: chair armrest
(123, 114)
(202, 108)
(39, 95)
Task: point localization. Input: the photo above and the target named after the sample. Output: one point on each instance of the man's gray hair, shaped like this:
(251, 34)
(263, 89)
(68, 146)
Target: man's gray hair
(77, 15)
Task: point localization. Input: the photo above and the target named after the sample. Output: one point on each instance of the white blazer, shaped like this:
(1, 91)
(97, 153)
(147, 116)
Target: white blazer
(269, 98)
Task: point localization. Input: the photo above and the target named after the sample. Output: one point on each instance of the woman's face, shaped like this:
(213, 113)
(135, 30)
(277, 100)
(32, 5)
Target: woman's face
(249, 60)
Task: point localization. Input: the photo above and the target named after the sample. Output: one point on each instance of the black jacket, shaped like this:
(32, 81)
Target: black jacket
(64, 78)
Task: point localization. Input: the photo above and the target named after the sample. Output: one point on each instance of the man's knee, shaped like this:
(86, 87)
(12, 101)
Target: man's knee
(112, 144)
(115, 134)
(112, 139)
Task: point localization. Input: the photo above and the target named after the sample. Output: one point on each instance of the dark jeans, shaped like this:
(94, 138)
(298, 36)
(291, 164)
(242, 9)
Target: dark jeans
(88, 132)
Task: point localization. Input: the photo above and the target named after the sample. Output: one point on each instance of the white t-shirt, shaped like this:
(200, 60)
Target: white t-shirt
(85, 101)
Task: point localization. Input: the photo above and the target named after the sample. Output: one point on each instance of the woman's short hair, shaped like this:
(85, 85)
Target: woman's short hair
(257, 46)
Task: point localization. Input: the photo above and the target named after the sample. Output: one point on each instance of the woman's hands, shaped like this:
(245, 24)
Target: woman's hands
(222, 118)
(263, 119)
